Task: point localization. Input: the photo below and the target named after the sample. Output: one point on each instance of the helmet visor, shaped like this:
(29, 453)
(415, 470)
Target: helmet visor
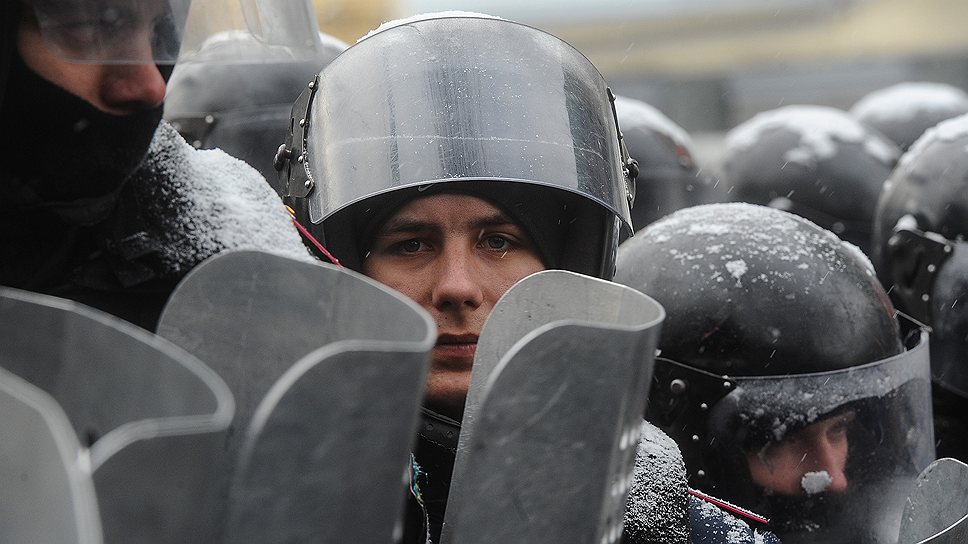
(832, 455)
(461, 99)
(166, 31)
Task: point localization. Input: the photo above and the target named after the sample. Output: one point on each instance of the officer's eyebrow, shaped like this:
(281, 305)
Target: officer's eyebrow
(410, 225)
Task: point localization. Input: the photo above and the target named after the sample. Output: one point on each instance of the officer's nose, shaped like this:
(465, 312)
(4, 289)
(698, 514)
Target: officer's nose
(130, 87)
(458, 283)
(830, 457)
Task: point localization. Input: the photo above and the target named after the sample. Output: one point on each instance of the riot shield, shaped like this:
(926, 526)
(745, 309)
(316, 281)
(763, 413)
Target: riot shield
(328, 369)
(47, 496)
(146, 420)
(553, 413)
(936, 511)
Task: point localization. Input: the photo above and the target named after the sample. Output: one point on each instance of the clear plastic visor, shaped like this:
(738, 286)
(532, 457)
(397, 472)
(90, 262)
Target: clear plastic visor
(166, 31)
(830, 456)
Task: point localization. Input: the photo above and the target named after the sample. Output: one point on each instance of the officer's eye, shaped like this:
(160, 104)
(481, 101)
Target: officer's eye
(497, 242)
(410, 246)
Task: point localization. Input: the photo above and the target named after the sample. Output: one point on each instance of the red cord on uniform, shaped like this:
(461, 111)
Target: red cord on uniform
(732, 508)
(302, 230)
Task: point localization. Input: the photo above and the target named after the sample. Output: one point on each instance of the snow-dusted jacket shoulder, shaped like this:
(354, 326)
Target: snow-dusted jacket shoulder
(663, 510)
(657, 509)
(197, 203)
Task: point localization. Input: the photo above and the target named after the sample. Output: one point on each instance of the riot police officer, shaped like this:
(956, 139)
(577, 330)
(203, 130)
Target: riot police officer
(903, 111)
(815, 161)
(669, 176)
(783, 374)
(919, 253)
(237, 93)
(100, 203)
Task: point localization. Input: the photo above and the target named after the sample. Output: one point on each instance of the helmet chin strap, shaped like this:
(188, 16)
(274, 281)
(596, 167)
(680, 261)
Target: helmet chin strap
(439, 429)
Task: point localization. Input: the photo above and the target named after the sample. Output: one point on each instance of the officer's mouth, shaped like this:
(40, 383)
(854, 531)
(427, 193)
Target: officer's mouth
(456, 349)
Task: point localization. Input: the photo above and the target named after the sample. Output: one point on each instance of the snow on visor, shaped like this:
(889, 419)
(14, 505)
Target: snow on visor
(777, 405)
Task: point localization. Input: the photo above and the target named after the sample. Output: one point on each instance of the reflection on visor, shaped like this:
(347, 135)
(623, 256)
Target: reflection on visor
(166, 31)
(113, 31)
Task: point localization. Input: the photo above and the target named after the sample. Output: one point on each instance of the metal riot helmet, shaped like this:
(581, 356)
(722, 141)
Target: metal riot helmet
(902, 112)
(238, 92)
(469, 103)
(814, 161)
(782, 373)
(922, 257)
(669, 177)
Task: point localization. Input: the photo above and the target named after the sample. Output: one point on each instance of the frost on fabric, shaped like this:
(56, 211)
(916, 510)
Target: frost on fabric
(815, 482)
(819, 129)
(657, 509)
(909, 101)
(723, 528)
(197, 203)
(634, 113)
(424, 16)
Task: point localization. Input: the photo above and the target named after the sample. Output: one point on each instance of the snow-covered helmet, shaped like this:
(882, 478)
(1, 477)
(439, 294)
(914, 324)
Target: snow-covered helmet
(815, 161)
(237, 94)
(669, 176)
(920, 250)
(903, 111)
(507, 111)
(774, 327)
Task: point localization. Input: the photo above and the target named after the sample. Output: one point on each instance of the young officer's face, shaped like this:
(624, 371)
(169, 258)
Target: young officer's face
(796, 465)
(455, 255)
(118, 89)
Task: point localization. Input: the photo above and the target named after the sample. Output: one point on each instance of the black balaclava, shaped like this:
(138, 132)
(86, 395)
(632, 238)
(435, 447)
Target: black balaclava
(62, 169)
(64, 154)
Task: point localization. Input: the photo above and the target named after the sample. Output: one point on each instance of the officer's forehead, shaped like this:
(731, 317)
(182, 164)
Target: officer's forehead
(447, 207)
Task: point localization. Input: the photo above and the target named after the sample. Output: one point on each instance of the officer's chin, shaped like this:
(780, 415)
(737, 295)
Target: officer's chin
(447, 390)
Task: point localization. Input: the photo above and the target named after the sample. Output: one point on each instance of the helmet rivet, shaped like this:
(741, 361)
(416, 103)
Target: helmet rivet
(932, 268)
(301, 158)
(947, 249)
(678, 386)
(302, 122)
(307, 184)
(312, 84)
(695, 438)
(925, 297)
(727, 385)
(704, 406)
(701, 473)
(209, 119)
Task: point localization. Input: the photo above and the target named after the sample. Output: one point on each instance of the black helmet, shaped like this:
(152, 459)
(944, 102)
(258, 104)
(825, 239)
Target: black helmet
(775, 329)
(237, 94)
(669, 177)
(902, 112)
(920, 249)
(814, 161)
(505, 110)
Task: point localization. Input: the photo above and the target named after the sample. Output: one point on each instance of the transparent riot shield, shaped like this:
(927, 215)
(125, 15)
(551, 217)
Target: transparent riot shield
(553, 413)
(328, 369)
(936, 511)
(47, 496)
(146, 423)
